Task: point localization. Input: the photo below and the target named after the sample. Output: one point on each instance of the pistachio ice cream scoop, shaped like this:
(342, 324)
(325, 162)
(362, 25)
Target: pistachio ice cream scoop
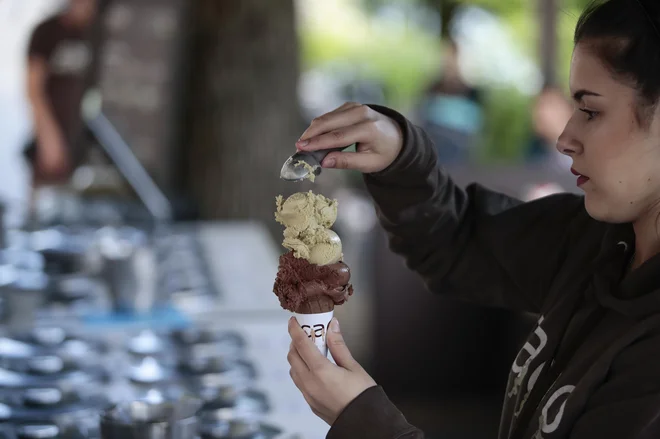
(307, 218)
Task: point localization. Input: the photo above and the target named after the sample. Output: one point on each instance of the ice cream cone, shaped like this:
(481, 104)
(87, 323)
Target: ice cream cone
(314, 317)
(316, 305)
(311, 279)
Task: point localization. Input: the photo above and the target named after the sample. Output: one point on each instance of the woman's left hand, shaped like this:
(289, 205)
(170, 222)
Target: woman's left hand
(327, 388)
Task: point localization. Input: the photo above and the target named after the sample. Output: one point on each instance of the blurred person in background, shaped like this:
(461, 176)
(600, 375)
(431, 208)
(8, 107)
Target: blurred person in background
(451, 110)
(18, 18)
(588, 266)
(59, 59)
(550, 114)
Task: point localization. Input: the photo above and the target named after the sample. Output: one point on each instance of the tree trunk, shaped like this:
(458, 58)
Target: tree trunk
(548, 11)
(243, 107)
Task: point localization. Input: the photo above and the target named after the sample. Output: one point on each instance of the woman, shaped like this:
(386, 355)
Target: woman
(587, 265)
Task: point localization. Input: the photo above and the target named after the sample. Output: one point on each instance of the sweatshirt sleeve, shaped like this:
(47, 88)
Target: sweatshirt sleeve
(372, 416)
(474, 244)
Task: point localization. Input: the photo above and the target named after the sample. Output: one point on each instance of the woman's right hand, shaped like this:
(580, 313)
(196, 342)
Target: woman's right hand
(379, 139)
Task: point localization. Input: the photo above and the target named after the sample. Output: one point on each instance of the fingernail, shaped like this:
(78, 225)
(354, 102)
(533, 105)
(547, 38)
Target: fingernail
(329, 163)
(334, 325)
(302, 143)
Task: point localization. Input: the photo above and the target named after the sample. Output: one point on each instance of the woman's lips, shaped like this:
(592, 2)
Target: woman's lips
(581, 179)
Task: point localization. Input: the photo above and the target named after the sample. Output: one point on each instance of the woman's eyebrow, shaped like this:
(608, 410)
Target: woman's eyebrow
(578, 95)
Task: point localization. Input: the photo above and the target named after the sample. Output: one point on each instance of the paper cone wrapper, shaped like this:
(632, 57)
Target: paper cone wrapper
(316, 328)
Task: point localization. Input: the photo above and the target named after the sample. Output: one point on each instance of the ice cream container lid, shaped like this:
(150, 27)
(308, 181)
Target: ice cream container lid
(5, 412)
(147, 412)
(49, 335)
(238, 429)
(76, 348)
(146, 343)
(13, 348)
(237, 400)
(148, 371)
(45, 364)
(76, 286)
(37, 431)
(209, 338)
(30, 280)
(8, 274)
(47, 239)
(23, 259)
(18, 239)
(47, 396)
(146, 420)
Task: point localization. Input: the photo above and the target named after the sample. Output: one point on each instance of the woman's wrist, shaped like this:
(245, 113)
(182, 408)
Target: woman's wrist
(371, 415)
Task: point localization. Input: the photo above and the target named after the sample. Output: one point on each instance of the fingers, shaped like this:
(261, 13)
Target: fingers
(341, 137)
(350, 115)
(306, 348)
(345, 106)
(299, 369)
(338, 347)
(365, 161)
(296, 361)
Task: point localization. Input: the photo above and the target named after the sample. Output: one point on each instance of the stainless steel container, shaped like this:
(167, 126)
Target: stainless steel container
(144, 420)
(130, 272)
(22, 292)
(221, 425)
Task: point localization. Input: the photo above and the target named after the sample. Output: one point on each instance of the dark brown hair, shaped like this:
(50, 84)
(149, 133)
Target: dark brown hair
(624, 36)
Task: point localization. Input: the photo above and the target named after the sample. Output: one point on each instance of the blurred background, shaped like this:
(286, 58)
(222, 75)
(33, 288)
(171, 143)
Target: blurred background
(162, 125)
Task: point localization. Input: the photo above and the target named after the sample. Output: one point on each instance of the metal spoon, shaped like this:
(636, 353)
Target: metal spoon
(293, 170)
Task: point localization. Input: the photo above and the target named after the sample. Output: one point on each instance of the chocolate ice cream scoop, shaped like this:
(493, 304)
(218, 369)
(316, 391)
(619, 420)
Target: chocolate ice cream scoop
(298, 281)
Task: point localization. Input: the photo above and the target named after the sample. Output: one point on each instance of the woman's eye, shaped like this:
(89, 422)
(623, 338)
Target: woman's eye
(590, 114)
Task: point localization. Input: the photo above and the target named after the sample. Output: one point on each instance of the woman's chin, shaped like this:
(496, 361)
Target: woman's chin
(600, 210)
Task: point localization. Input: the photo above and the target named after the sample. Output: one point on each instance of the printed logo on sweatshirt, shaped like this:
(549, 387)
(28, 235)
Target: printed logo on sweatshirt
(521, 364)
(553, 411)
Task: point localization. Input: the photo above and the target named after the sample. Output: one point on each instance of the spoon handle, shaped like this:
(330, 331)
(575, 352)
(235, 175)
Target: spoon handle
(321, 154)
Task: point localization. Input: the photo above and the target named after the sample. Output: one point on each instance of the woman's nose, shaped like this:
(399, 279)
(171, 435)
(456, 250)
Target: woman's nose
(568, 144)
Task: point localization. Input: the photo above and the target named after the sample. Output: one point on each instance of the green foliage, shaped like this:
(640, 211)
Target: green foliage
(404, 61)
(500, 7)
(507, 132)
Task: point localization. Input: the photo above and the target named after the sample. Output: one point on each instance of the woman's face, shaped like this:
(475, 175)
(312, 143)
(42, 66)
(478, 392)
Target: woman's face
(617, 159)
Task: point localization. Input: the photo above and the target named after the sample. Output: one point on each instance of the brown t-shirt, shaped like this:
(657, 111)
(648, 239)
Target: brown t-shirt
(67, 52)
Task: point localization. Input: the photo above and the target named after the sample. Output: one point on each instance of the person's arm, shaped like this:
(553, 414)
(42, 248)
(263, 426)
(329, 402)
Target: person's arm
(475, 244)
(373, 416)
(51, 150)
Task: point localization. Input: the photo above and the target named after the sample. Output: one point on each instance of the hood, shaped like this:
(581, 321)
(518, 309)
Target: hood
(635, 294)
